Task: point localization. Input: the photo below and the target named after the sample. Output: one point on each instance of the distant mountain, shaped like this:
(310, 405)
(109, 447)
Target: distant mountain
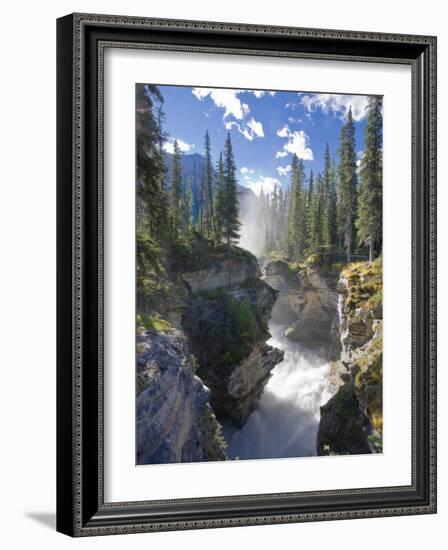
(192, 167)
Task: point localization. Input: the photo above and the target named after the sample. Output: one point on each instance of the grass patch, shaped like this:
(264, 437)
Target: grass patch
(154, 322)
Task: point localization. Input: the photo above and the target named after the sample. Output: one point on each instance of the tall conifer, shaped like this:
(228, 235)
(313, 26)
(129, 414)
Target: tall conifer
(231, 224)
(370, 210)
(347, 186)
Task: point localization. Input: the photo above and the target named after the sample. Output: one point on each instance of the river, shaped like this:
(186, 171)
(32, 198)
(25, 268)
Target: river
(286, 420)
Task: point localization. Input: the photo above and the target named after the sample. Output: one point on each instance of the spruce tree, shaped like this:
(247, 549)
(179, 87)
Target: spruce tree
(151, 167)
(219, 197)
(231, 223)
(369, 222)
(317, 214)
(281, 216)
(347, 186)
(309, 206)
(208, 188)
(186, 210)
(274, 217)
(176, 190)
(297, 212)
(330, 200)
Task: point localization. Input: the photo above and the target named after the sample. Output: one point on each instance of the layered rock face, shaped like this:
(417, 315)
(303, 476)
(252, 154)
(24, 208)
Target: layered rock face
(235, 394)
(224, 270)
(309, 299)
(351, 421)
(175, 422)
(226, 322)
(209, 357)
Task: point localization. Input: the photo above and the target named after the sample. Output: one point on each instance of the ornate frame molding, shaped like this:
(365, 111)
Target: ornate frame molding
(81, 42)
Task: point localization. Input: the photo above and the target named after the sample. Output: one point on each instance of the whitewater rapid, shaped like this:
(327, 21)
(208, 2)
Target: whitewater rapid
(286, 421)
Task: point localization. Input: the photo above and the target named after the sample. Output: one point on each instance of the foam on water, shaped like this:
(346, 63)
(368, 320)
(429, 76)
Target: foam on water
(286, 421)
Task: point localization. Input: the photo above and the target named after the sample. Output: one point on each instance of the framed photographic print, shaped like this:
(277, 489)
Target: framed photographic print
(246, 274)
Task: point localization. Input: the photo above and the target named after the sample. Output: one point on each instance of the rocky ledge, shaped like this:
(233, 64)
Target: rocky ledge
(351, 421)
(226, 323)
(224, 269)
(235, 394)
(308, 299)
(175, 422)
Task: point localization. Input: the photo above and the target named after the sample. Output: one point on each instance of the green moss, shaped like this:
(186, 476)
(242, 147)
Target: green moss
(213, 443)
(277, 255)
(141, 383)
(154, 322)
(198, 252)
(365, 285)
(222, 329)
(369, 382)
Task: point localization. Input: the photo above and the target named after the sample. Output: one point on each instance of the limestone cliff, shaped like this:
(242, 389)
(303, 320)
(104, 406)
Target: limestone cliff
(175, 422)
(226, 322)
(201, 352)
(351, 421)
(308, 298)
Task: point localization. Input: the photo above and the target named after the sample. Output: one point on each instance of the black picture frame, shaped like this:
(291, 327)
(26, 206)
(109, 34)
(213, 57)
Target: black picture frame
(81, 510)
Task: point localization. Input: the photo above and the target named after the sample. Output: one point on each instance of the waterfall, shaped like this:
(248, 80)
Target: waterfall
(286, 420)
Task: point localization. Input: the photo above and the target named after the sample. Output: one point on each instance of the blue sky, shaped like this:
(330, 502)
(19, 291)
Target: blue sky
(266, 127)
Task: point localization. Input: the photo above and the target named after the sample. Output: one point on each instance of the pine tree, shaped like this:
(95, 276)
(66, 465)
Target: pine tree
(186, 210)
(309, 206)
(274, 217)
(231, 223)
(330, 209)
(347, 186)
(297, 212)
(151, 167)
(219, 198)
(209, 215)
(176, 190)
(317, 214)
(281, 216)
(369, 222)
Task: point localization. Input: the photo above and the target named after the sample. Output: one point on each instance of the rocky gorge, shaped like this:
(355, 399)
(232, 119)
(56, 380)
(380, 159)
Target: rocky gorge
(294, 347)
(202, 356)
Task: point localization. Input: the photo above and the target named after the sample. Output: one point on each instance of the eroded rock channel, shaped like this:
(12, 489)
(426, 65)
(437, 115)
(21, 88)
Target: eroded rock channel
(282, 361)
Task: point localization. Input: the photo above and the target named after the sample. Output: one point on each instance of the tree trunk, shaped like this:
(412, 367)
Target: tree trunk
(370, 250)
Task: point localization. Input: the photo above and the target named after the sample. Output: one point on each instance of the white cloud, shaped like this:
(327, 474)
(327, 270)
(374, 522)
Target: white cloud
(298, 143)
(250, 130)
(259, 93)
(235, 111)
(284, 170)
(281, 154)
(256, 127)
(283, 132)
(359, 156)
(293, 120)
(246, 170)
(337, 104)
(265, 184)
(224, 99)
(185, 147)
